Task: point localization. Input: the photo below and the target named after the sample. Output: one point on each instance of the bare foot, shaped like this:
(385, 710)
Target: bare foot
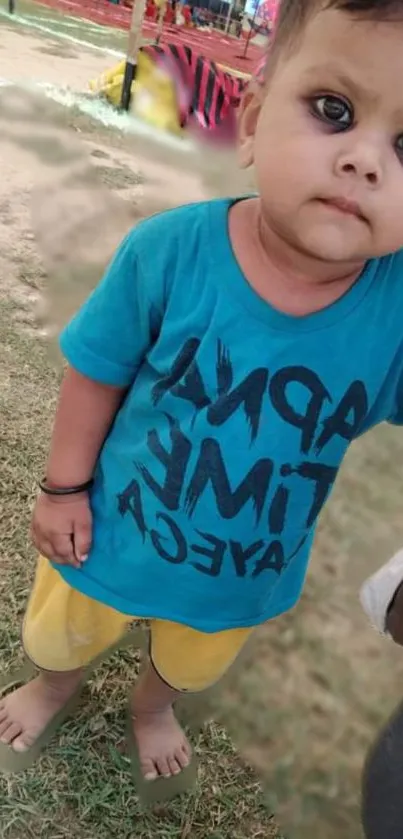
(163, 748)
(25, 713)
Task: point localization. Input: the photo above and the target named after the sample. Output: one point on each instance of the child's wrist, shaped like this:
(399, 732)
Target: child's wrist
(55, 489)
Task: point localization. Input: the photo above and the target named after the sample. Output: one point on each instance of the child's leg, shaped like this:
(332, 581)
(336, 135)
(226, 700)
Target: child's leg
(63, 631)
(163, 748)
(182, 660)
(25, 713)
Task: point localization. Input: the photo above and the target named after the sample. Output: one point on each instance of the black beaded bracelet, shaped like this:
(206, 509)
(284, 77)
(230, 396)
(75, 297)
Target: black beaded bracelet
(43, 486)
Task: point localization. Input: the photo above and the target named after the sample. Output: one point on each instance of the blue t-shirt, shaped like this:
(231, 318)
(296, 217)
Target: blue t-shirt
(237, 417)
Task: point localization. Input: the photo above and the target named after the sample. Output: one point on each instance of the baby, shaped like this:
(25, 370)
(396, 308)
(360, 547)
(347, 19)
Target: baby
(215, 380)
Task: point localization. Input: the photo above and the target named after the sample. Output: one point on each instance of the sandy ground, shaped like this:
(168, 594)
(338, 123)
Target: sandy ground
(49, 150)
(50, 60)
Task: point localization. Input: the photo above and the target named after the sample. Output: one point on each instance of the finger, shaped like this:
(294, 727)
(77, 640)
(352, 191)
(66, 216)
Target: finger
(82, 538)
(63, 547)
(41, 543)
(46, 548)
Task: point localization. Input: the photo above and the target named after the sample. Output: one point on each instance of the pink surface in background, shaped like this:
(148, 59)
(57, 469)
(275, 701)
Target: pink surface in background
(214, 45)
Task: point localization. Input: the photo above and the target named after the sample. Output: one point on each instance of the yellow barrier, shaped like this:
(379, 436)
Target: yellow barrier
(153, 93)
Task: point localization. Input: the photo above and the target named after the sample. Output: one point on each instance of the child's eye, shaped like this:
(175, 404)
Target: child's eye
(333, 110)
(399, 145)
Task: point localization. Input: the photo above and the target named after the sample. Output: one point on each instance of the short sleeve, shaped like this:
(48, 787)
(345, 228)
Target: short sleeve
(396, 418)
(112, 332)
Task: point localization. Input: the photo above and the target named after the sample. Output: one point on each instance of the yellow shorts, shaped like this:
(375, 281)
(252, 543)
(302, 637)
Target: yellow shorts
(63, 630)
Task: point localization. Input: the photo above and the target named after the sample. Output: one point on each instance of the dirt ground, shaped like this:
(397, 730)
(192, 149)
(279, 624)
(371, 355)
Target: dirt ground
(316, 684)
(36, 60)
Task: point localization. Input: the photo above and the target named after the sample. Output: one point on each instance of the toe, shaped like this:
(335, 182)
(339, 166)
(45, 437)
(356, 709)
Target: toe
(163, 767)
(12, 731)
(4, 725)
(149, 770)
(20, 744)
(183, 756)
(174, 766)
(186, 747)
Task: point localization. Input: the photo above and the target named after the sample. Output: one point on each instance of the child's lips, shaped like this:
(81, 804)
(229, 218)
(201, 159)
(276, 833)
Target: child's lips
(344, 205)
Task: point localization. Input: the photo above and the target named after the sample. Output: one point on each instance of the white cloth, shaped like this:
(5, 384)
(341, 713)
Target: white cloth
(377, 592)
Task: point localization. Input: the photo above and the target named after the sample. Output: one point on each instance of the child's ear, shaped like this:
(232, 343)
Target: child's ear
(248, 116)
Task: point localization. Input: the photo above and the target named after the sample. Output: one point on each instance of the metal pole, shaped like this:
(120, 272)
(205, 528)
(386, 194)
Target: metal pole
(231, 6)
(11, 6)
(161, 18)
(251, 28)
(133, 47)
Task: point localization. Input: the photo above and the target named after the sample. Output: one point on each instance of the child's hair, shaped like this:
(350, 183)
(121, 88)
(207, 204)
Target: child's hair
(294, 14)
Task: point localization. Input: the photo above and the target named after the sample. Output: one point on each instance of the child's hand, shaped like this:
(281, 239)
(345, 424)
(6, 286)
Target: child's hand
(394, 620)
(61, 528)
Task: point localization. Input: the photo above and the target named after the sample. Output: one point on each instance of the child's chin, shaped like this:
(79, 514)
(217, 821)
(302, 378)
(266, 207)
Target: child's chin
(329, 246)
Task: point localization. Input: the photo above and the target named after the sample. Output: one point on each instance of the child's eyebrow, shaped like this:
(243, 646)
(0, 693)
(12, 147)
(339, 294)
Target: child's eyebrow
(333, 75)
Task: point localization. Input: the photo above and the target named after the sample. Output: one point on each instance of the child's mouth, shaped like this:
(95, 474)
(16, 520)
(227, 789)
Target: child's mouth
(345, 206)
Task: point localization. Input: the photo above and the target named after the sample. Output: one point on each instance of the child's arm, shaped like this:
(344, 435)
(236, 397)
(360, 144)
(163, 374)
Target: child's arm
(105, 345)
(84, 415)
(62, 525)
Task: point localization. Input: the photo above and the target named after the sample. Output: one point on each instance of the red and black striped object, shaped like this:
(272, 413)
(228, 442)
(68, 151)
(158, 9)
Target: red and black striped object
(206, 94)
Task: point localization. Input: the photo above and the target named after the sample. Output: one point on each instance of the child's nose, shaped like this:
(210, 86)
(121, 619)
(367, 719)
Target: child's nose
(363, 163)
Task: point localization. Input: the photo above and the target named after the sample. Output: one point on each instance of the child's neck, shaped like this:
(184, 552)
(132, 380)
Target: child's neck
(290, 281)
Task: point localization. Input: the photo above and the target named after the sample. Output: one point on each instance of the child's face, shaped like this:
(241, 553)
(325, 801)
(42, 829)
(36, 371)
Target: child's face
(326, 138)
